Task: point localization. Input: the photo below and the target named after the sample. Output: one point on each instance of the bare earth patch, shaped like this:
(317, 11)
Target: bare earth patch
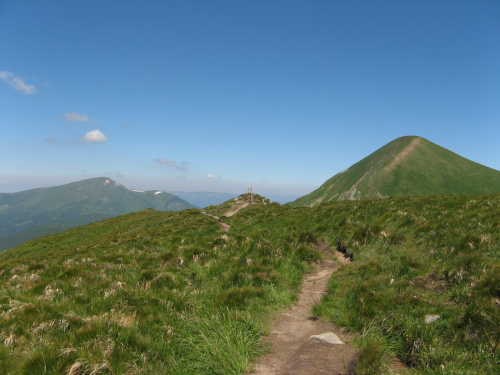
(403, 154)
(236, 208)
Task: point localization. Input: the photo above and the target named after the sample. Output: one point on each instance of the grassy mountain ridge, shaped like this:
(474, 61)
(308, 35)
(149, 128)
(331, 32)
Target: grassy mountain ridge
(26, 214)
(170, 292)
(146, 292)
(407, 166)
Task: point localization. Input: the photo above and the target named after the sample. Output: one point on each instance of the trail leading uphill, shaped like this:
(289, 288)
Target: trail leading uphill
(294, 350)
(300, 344)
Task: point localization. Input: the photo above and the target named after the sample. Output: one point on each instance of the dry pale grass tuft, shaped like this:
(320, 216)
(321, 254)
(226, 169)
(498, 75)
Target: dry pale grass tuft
(9, 340)
(64, 352)
(16, 307)
(113, 288)
(52, 325)
(31, 277)
(24, 282)
(68, 262)
(19, 269)
(118, 285)
(122, 319)
(112, 316)
(78, 282)
(16, 279)
(82, 367)
(49, 293)
(485, 238)
(105, 347)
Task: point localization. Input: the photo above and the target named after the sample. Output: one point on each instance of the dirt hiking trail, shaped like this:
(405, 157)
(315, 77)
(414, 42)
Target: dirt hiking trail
(406, 151)
(238, 206)
(293, 351)
(299, 343)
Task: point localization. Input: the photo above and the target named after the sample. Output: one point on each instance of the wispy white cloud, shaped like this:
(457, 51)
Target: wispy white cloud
(210, 175)
(74, 117)
(182, 166)
(94, 136)
(17, 83)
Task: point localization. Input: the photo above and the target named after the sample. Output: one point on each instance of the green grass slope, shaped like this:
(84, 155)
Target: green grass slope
(170, 293)
(424, 284)
(145, 293)
(28, 214)
(414, 259)
(407, 166)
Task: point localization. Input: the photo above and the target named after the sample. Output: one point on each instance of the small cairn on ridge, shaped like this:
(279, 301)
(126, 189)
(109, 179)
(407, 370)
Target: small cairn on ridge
(257, 199)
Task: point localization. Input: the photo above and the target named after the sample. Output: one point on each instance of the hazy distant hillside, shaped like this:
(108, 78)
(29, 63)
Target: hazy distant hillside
(33, 213)
(407, 166)
(203, 199)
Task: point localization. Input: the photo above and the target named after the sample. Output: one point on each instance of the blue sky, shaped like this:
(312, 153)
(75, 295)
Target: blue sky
(223, 95)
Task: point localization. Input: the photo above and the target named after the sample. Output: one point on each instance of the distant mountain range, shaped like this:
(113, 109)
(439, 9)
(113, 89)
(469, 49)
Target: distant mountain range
(34, 213)
(408, 166)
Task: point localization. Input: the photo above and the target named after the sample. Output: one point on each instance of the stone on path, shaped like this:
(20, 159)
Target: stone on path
(328, 337)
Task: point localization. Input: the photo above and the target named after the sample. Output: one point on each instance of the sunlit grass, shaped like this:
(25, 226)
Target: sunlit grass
(150, 292)
(157, 292)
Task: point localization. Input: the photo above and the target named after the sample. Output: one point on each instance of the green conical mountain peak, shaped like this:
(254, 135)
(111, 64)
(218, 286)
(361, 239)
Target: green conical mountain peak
(407, 166)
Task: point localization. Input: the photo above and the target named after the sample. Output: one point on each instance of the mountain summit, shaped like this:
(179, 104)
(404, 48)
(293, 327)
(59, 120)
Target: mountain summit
(407, 166)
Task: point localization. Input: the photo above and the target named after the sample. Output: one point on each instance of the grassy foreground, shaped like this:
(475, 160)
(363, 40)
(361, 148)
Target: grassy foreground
(149, 292)
(434, 258)
(157, 292)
